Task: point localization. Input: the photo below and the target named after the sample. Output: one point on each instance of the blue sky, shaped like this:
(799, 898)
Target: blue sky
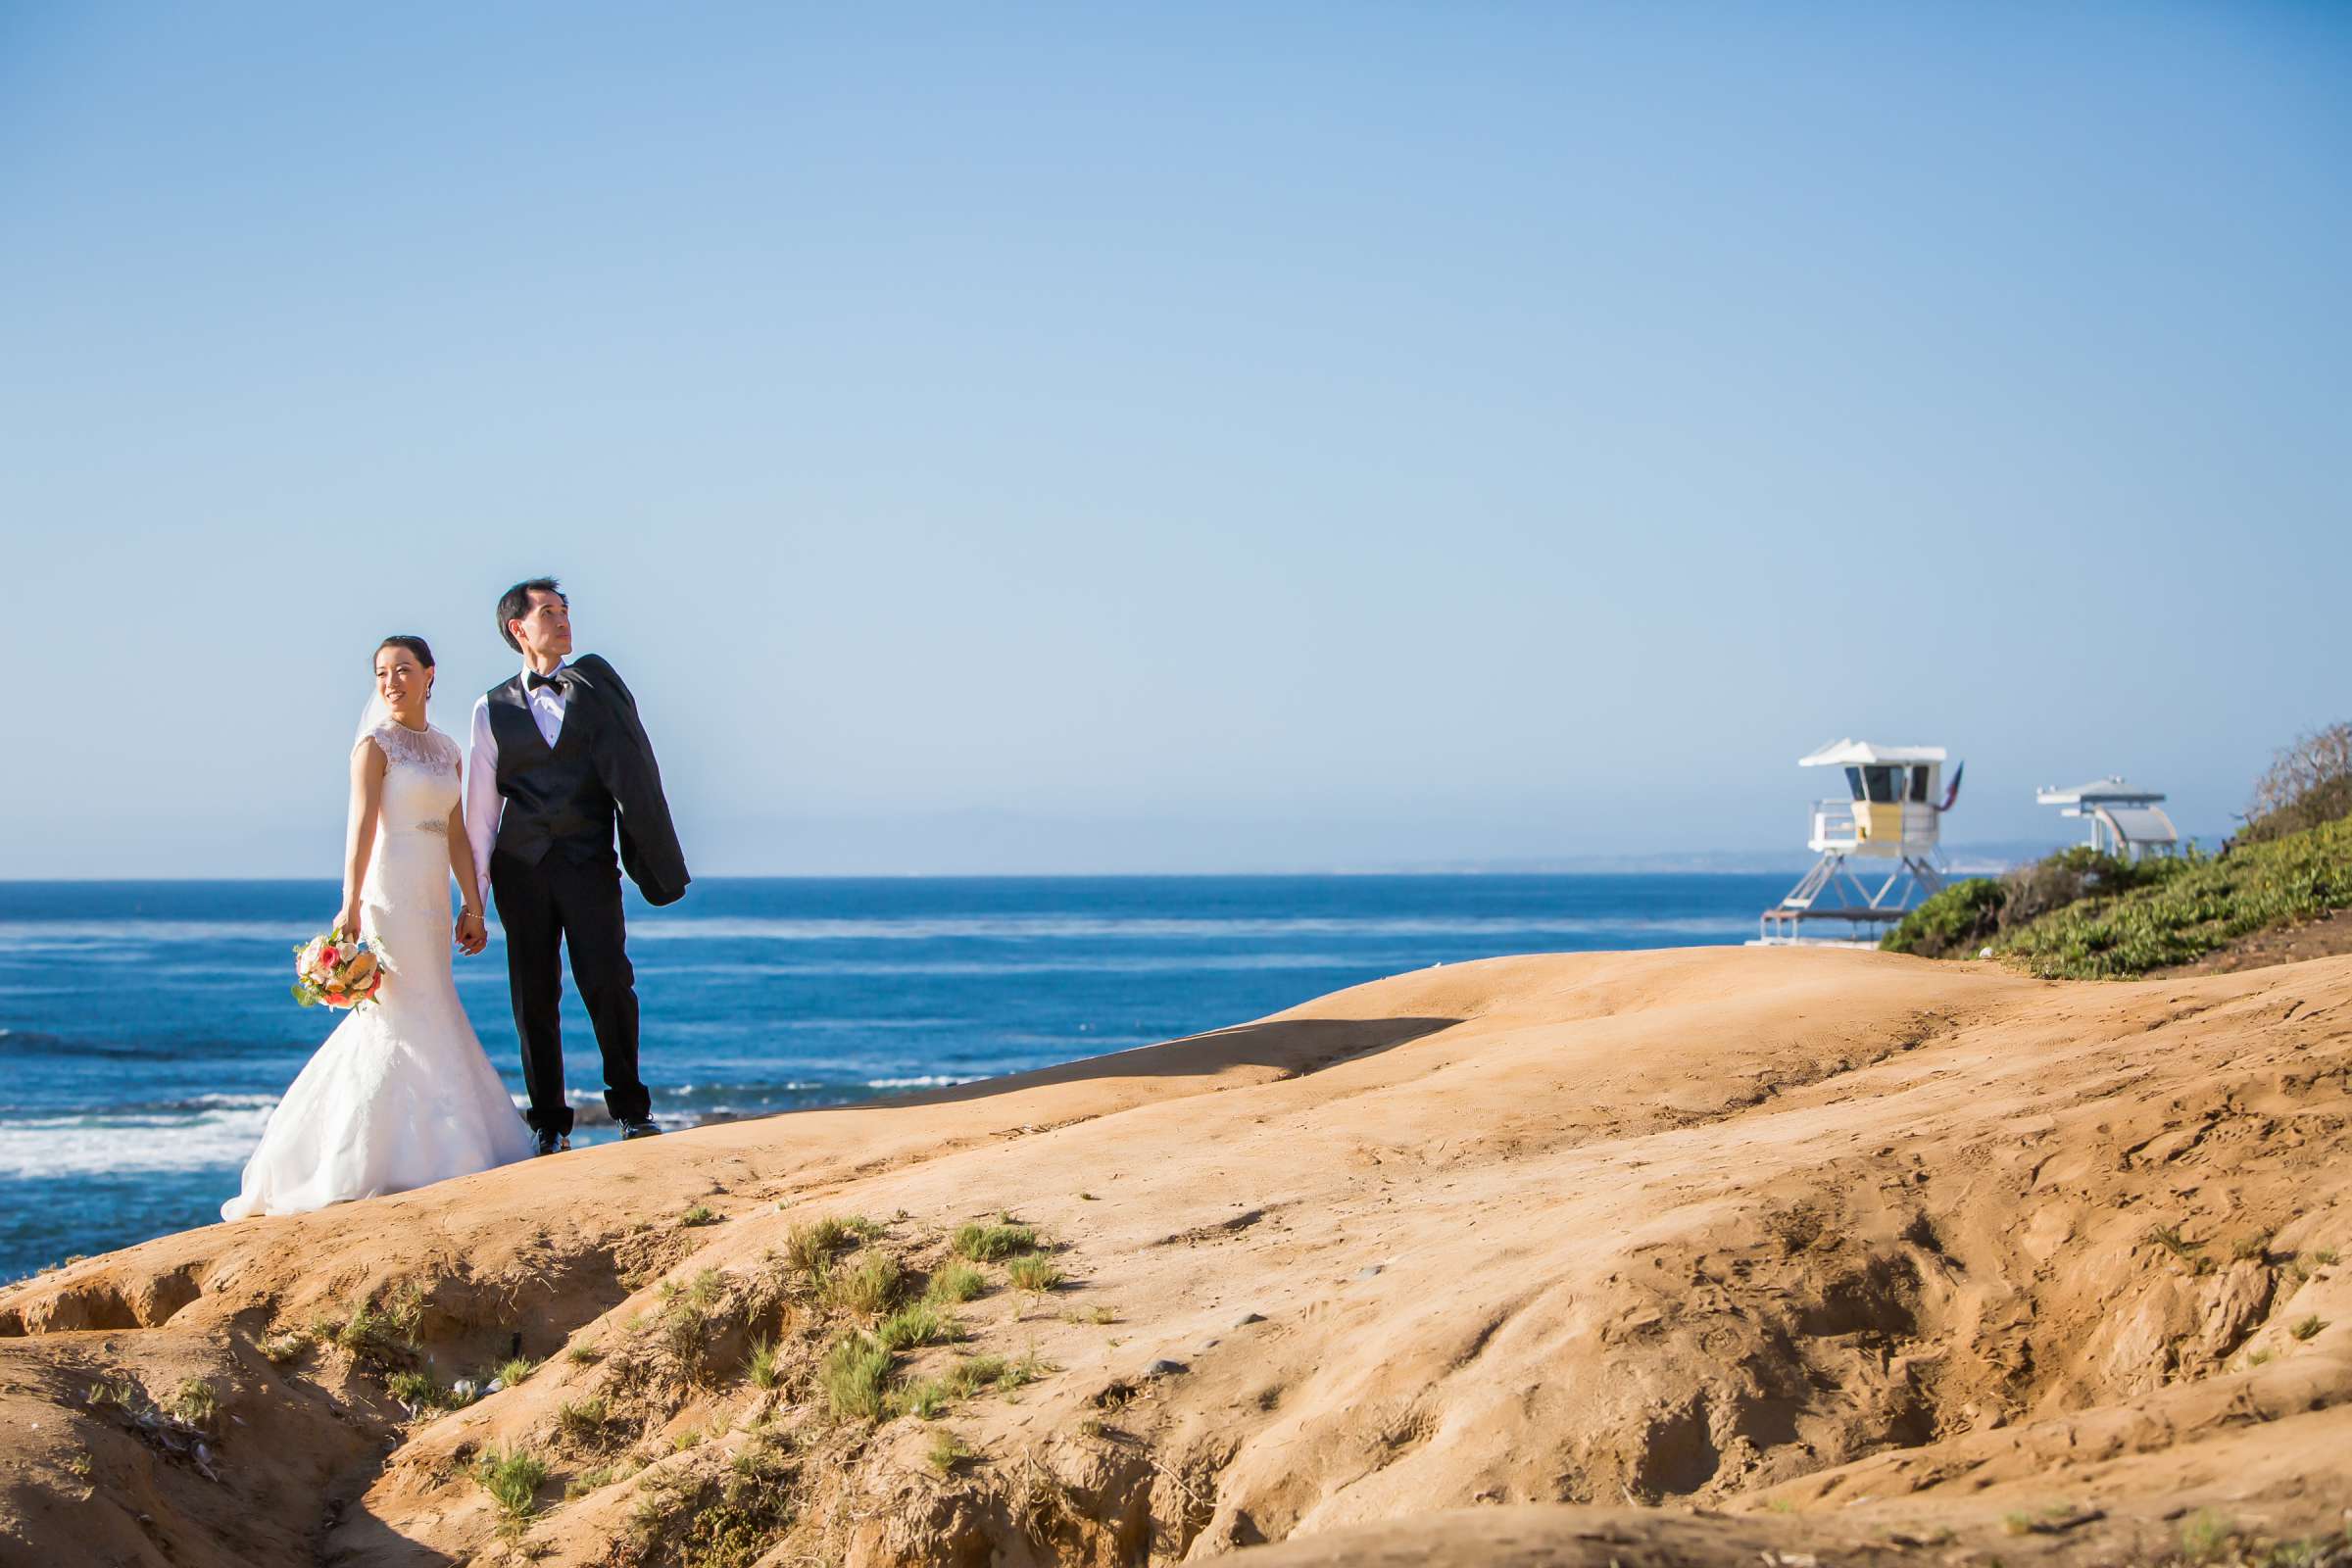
(1207, 438)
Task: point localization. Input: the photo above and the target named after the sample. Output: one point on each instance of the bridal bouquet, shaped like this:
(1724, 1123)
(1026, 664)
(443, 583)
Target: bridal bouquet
(338, 970)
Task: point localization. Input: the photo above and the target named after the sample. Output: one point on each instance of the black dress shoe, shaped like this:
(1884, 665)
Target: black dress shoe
(637, 1127)
(548, 1142)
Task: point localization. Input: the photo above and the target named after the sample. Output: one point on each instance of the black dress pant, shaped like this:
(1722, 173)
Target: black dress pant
(578, 904)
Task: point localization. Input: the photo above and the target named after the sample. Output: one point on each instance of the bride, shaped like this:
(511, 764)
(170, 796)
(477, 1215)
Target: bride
(401, 1095)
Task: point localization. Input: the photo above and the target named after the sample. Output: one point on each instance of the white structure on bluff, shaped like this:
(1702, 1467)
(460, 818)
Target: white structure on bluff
(2123, 821)
(1889, 822)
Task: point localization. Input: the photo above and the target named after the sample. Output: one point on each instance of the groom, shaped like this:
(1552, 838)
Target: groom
(559, 761)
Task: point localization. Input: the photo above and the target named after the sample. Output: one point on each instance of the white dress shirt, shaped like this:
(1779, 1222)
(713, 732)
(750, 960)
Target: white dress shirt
(482, 802)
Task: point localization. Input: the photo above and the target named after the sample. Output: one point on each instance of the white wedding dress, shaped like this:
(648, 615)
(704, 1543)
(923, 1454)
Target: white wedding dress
(401, 1095)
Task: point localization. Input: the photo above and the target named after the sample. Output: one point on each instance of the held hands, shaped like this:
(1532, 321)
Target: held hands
(347, 921)
(474, 933)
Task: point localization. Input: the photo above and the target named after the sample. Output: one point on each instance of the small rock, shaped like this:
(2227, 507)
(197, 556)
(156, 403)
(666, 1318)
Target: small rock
(1246, 1319)
(1206, 1345)
(1166, 1368)
(1369, 1270)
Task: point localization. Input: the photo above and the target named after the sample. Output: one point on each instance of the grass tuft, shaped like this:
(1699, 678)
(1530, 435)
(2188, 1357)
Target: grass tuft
(1033, 1273)
(2251, 1249)
(809, 1249)
(581, 1418)
(871, 1287)
(854, 1377)
(2308, 1328)
(989, 1244)
(947, 1452)
(956, 1283)
(971, 1373)
(418, 1390)
(1028, 1369)
(920, 1323)
(761, 1364)
(925, 1400)
(195, 1402)
(2206, 1534)
(699, 1214)
(512, 1479)
(516, 1372)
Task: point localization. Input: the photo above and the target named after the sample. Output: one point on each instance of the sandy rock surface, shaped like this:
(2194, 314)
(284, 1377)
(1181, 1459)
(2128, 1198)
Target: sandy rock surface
(1671, 1256)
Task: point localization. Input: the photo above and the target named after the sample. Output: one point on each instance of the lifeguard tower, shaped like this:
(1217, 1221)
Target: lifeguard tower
(2123, 821)
(1885, 831)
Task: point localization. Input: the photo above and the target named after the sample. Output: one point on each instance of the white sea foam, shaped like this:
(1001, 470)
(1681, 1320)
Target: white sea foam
(134, 936)
(974, 967)
(128, 1143)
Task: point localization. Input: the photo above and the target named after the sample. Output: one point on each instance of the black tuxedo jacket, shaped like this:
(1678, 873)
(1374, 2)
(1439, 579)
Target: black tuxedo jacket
(599, 711)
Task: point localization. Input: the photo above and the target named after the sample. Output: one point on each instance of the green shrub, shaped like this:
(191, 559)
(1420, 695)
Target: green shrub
(1964, 918)
(1952, 924)
(2191, 907)
(2307, 785)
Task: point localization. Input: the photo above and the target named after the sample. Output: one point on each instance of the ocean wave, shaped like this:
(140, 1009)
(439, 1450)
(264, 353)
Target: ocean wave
(120, 1143)
(1069, 927)
(136, 940)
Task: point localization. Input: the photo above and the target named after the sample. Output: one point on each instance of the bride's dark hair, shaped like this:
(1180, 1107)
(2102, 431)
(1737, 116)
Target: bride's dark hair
(414, 644)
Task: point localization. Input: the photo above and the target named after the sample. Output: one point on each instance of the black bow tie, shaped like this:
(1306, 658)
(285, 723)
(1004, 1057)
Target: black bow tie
(534, 680)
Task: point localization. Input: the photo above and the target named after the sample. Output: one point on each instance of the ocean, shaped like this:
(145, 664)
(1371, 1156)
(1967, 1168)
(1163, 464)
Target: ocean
(146, 1029)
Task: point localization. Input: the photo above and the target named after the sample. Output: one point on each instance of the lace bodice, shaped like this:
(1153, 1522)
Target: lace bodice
(421, 778)
(425, 748)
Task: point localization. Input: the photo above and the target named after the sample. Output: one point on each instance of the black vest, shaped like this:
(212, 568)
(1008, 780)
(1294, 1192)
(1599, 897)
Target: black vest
(554, 800)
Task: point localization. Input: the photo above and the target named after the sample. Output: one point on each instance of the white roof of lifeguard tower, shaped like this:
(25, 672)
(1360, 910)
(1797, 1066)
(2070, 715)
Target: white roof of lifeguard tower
(1862, 754)
(2108, 791)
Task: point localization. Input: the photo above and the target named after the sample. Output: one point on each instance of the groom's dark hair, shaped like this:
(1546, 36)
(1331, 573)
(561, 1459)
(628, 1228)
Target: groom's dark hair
(516, 603)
